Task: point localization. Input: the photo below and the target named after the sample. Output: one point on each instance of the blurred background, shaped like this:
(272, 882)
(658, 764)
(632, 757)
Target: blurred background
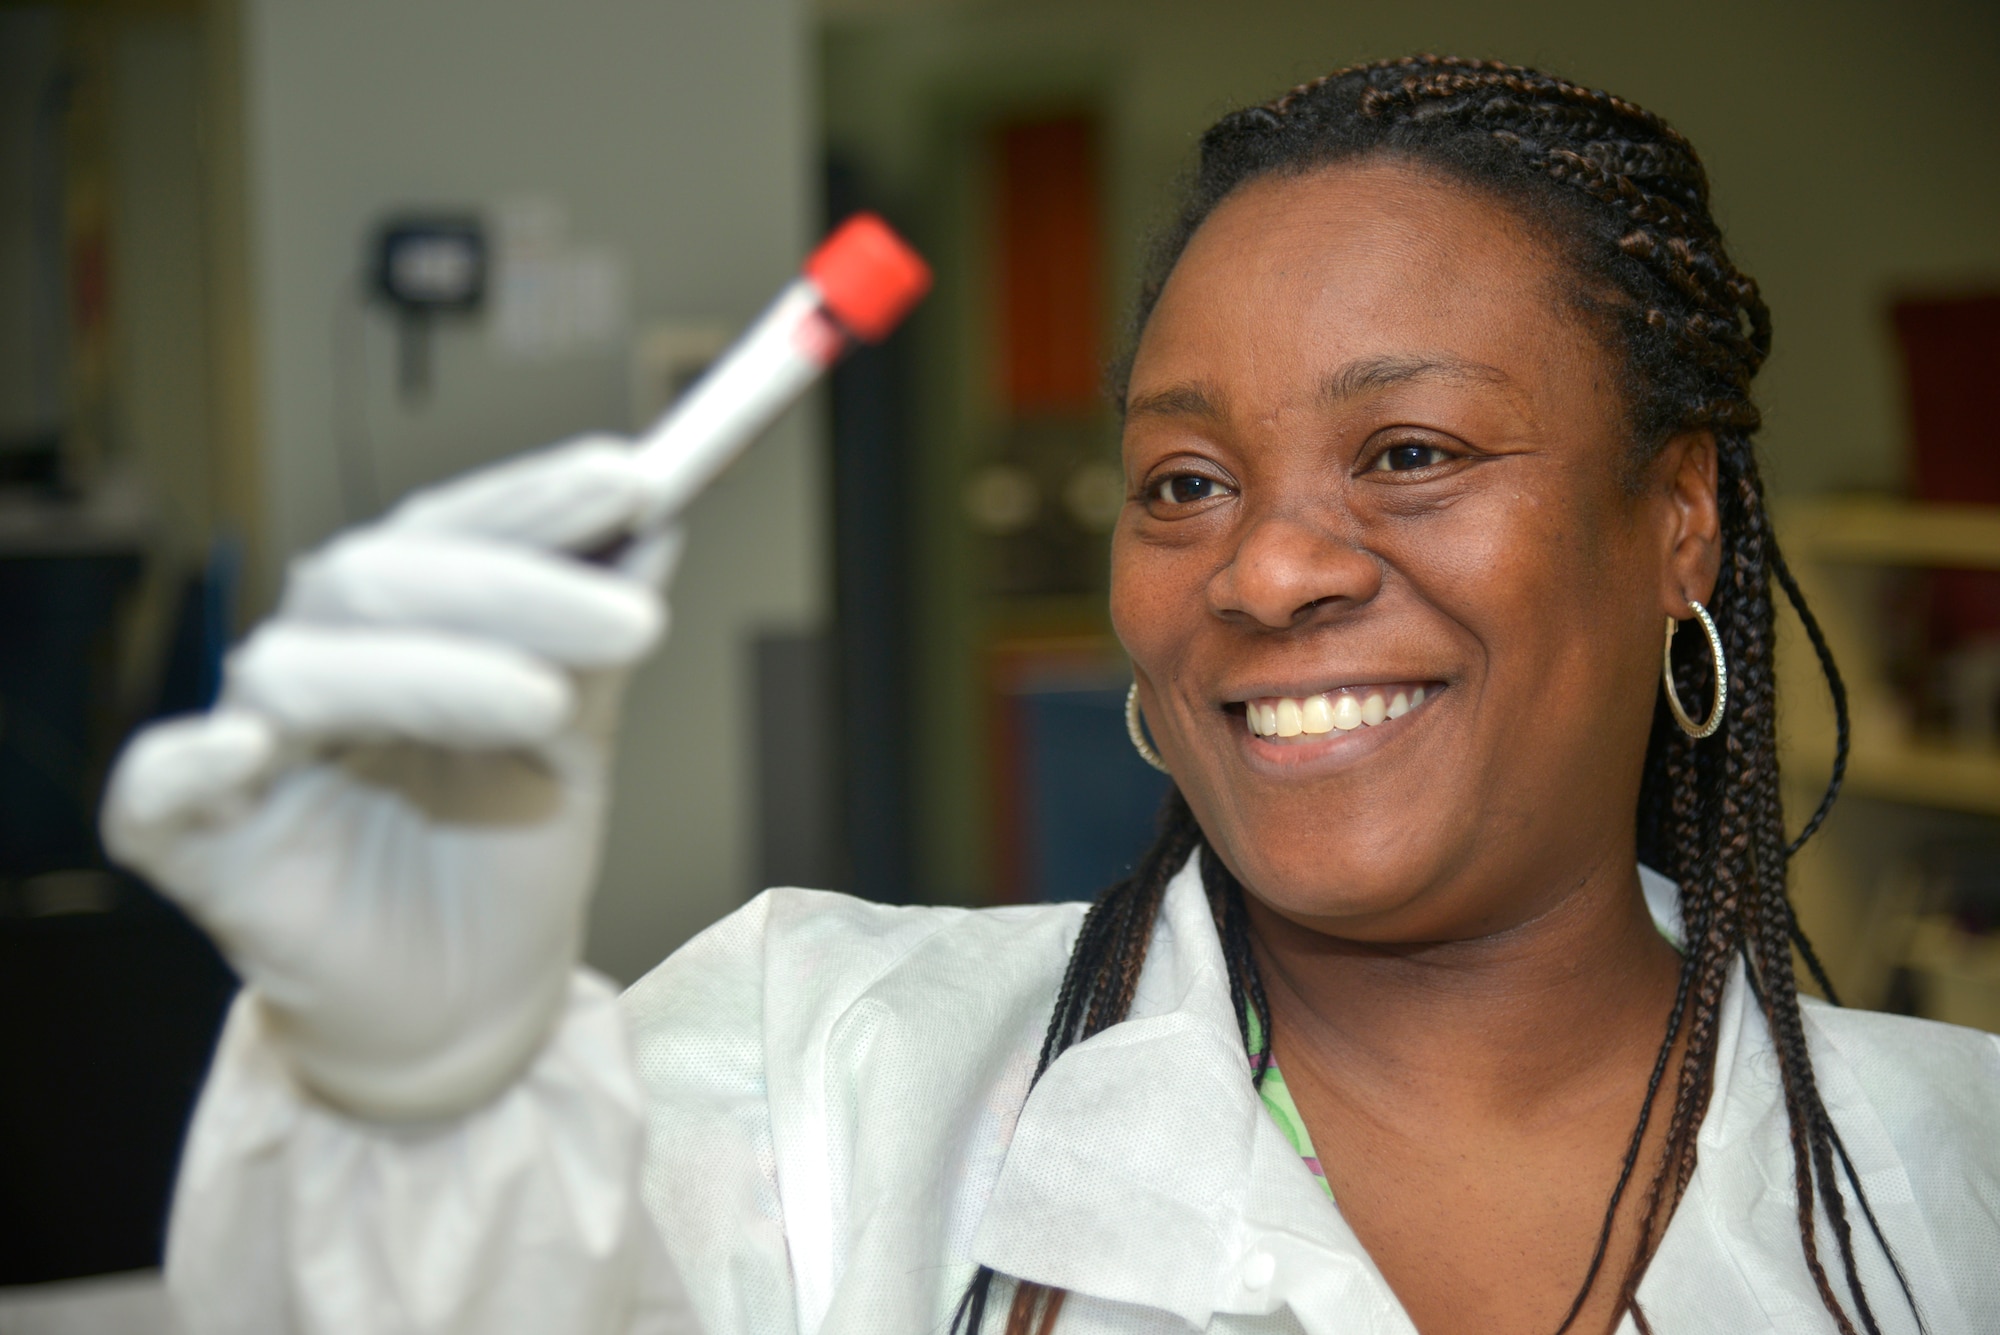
(890, 670)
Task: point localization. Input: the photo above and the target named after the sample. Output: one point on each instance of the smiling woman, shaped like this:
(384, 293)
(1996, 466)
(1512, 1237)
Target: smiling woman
(1439, 402)
(1437, 413)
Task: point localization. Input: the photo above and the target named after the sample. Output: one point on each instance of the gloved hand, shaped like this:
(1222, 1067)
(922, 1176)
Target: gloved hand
(391, 820)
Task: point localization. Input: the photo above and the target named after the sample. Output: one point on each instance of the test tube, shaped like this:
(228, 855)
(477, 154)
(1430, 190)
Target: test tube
(856, 287)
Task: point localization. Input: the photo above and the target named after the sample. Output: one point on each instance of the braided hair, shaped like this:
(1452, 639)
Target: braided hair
(1627, 197)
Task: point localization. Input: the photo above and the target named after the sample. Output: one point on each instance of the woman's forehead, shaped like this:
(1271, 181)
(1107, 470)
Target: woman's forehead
(1352, 270)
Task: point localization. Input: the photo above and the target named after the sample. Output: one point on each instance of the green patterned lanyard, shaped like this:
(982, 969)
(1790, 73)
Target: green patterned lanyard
(1277, 1098)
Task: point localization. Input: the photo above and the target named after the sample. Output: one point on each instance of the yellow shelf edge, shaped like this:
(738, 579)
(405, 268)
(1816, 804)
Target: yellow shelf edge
(1915, 773)
(1890, 532)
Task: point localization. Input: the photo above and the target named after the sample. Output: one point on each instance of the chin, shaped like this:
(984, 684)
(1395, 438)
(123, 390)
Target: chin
(1373, 890)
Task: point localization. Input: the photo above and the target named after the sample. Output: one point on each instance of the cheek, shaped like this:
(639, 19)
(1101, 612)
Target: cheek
(1557, 597)
(1528, 566)
(1156, 602)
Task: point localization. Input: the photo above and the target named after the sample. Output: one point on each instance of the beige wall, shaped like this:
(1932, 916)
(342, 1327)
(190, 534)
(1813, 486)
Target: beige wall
(160, 329)
(680, 133)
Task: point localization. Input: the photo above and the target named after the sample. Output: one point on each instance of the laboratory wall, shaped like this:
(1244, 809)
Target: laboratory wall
(643, 161)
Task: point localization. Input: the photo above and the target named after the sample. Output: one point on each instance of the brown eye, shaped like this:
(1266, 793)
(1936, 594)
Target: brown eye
(1186, 489)
(1409, 458)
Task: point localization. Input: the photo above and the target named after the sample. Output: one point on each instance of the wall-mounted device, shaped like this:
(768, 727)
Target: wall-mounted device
(425, 266)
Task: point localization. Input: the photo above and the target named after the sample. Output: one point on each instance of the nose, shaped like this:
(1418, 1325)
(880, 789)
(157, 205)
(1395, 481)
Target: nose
(1286, 568)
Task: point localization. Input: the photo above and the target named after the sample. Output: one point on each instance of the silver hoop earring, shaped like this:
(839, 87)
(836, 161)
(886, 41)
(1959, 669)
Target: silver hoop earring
(1696, 730)
(1136, 730)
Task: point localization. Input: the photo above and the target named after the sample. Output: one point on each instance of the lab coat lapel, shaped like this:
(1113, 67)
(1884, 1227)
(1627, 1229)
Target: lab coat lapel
(1297, 1251)
(1126, 1176)
(1145, 1170)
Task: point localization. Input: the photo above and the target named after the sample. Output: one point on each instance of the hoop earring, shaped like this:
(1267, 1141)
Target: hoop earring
(1697, 731)
(1136, 730)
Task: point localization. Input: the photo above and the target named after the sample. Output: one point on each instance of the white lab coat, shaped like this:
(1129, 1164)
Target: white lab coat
(818, 1111)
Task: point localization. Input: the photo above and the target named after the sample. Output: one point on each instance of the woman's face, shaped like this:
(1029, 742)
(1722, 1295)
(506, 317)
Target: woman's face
(1393, 598)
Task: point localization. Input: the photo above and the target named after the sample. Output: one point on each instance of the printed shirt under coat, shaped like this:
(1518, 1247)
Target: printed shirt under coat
(816, 1116)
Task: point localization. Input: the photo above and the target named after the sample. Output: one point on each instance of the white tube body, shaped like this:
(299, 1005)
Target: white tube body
(761, 374)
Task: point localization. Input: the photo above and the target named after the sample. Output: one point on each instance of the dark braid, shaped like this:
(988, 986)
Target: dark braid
(1625, 196)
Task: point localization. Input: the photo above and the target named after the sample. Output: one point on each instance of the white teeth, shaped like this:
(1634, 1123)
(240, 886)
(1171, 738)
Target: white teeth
(1315, 715)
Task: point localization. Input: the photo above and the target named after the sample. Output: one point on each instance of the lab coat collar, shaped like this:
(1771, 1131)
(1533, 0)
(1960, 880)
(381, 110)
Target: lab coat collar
(1145, 1170)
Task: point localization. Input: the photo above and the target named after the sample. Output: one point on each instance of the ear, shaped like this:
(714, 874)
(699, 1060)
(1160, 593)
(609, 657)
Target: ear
(1691, 521)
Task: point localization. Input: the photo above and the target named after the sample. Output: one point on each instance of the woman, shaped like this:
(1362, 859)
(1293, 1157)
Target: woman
(1438, 411)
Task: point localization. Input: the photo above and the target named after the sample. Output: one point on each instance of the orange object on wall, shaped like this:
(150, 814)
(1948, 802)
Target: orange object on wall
(1051, 277)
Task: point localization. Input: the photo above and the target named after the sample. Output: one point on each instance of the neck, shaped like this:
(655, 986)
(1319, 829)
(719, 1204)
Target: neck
(1514, 1025)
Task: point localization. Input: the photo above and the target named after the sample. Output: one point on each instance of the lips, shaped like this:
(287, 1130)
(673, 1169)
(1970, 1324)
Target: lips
(1344, 709)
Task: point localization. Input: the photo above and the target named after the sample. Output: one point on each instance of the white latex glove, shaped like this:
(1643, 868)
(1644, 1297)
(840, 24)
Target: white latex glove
(391, 821)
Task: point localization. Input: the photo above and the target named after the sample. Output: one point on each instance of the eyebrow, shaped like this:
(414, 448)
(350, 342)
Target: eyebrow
(1200, 399)
(1194, 399)
(1372, 373)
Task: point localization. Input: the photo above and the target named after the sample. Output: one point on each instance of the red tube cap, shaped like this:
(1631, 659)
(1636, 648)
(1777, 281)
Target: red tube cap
(868, 276)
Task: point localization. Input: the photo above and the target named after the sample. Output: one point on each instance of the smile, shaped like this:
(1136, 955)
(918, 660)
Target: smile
(1343, 710)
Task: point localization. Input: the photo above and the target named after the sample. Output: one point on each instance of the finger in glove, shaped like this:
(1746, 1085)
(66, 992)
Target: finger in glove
(365, 683)
(183, 770)
(548, 605)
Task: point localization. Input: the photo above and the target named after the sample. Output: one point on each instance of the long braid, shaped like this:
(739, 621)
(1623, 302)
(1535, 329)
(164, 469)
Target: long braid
(1838, 690)
(1767, 949)
(1627, 197)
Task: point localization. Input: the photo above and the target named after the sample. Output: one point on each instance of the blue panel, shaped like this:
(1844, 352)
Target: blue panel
(1091, 802)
